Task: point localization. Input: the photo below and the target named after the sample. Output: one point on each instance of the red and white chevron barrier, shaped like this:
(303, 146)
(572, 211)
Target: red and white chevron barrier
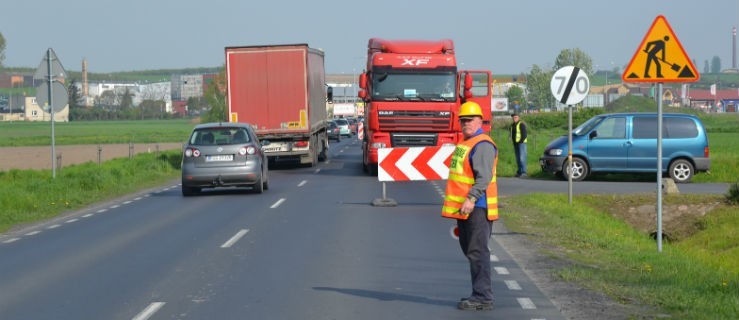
(414, 163)
(360, 130)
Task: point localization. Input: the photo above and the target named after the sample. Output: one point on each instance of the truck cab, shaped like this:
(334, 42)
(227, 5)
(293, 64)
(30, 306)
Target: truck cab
(412, 91)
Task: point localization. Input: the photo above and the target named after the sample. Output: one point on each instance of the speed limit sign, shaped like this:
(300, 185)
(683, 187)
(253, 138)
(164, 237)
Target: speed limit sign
(570, 85)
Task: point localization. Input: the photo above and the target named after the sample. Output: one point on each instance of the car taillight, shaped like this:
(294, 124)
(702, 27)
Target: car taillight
(247, 150)
(192, 152)
(706, 152)
(300, 144)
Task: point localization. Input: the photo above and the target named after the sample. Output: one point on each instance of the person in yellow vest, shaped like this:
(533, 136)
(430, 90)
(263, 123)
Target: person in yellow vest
(519, 136)
(472, 198)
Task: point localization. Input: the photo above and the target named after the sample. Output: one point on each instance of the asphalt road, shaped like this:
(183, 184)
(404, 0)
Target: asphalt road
(310, 247)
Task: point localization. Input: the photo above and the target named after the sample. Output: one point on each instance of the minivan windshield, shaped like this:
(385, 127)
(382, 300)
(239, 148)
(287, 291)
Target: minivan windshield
(587, 126)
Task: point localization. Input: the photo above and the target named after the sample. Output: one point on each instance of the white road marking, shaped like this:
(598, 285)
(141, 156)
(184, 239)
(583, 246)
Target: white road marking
(235, 238)
(127, 202)
(149, 311)
(53, 227)
(102, 210)
(302, 183)
(317, 171)
(88, 215)
(114, 206)
(72, 220)
(501, 270)
(494, 258)
(11, 240)
(278, 203)
(137, 199)
(512, 285)
(33, 233)
(526, 303)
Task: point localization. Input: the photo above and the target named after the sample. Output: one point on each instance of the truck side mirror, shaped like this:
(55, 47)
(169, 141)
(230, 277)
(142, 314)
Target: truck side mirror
(363, 81)
(330, 94)
(362, 94)
(467, 81)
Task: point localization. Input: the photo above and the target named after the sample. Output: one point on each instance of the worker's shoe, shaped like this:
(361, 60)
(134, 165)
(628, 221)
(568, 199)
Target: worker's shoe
(466, 304)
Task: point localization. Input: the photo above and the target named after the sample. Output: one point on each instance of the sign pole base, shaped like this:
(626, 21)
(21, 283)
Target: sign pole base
(385, 201)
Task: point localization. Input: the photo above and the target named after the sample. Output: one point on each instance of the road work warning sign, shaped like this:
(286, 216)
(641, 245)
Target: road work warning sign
(660, 58)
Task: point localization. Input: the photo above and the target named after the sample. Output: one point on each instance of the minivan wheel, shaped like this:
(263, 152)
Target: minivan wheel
(579, 169)
(681, 170)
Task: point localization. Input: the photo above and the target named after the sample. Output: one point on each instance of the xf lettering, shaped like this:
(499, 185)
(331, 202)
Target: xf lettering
(414, 62)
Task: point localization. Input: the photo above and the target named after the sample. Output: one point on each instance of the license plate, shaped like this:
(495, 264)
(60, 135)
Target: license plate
(272, 149)
(219, 157)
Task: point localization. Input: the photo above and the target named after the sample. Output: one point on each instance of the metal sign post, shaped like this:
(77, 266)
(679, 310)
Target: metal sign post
(659, 167)
(48, 69)
(570, 85)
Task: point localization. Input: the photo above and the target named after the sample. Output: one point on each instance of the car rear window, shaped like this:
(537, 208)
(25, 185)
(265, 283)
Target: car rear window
(342, 122)
(219, 136)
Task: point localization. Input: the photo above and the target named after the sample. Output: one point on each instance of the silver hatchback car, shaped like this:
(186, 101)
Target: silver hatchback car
(223, 155)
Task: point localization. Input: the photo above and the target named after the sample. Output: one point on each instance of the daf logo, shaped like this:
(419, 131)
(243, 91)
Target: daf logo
(414, 62)
(445, 113)
(220, 149)
(386, 113)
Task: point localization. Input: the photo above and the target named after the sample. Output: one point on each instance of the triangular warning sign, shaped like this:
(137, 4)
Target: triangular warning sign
(660, 58)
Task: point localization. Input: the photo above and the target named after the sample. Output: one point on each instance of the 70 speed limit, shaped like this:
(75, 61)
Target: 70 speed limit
(570, 85)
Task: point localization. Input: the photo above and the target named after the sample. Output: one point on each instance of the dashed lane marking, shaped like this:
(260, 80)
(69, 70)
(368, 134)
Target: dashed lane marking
(88, 215)
(11, 240)
(317, 171)
(33, 233)
(235, 238)
(149, 311)
(302, 183)
(494, 258)
(502, 270)
(101, 210)
(71, 220)
(278, 203)
(53, 226)
(512, 285)
(526, 303)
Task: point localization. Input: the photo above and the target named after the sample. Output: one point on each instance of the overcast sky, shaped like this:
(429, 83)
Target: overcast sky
(506, 37)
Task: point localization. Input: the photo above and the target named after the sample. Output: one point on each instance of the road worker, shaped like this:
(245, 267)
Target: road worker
(472, 199)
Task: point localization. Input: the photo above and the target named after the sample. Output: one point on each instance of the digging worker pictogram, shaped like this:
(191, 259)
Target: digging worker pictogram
(653, 49)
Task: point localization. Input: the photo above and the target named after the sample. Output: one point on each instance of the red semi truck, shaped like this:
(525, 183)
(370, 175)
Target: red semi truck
(280, 91)
(412, 91)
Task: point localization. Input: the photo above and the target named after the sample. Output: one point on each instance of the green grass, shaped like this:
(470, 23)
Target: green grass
(697, 278)
(32, 195)
(22, 133)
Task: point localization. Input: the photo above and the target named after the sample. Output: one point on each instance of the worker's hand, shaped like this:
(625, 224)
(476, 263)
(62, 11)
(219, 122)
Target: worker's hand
(467, 206)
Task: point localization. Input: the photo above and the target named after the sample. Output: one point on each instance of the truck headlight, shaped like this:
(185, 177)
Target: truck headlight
(555, 152)
(378, 145)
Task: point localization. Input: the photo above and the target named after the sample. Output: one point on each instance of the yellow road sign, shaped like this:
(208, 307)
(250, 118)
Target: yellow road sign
(660, 58)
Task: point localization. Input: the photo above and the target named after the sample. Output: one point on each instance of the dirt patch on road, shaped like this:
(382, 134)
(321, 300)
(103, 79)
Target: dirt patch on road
(40, 157)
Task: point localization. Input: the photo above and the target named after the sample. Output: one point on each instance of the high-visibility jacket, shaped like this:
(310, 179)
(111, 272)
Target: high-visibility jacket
(461, 178)
(517, 133)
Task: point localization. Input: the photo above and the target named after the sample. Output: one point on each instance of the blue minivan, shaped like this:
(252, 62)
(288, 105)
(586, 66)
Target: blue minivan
(627, 142)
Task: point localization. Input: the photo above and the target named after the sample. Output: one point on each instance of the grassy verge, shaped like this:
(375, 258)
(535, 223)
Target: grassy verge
(32, 195)
(696, 278)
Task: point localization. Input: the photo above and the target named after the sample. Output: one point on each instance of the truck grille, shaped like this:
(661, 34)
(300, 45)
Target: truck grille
(391, 120)
(412, 139)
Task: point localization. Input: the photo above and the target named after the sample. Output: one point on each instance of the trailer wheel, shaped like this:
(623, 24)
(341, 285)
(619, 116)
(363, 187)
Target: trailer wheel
(323, 156)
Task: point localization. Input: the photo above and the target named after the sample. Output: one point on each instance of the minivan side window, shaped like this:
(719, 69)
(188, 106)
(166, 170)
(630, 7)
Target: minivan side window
(645, 128)
(612, 128)
(673, 128)
(680, 128)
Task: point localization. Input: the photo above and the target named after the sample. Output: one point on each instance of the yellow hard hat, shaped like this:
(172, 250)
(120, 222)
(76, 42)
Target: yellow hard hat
(470, 109)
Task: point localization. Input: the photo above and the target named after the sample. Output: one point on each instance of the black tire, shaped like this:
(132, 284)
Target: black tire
(372, 169)
(580, 169)
(681, 171)
(259, 186)
(188, 191)
(323, 155)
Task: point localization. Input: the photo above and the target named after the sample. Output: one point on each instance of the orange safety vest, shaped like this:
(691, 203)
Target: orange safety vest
(461, 178)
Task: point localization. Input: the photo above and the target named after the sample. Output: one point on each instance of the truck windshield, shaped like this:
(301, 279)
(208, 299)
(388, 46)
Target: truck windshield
(414, 86)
